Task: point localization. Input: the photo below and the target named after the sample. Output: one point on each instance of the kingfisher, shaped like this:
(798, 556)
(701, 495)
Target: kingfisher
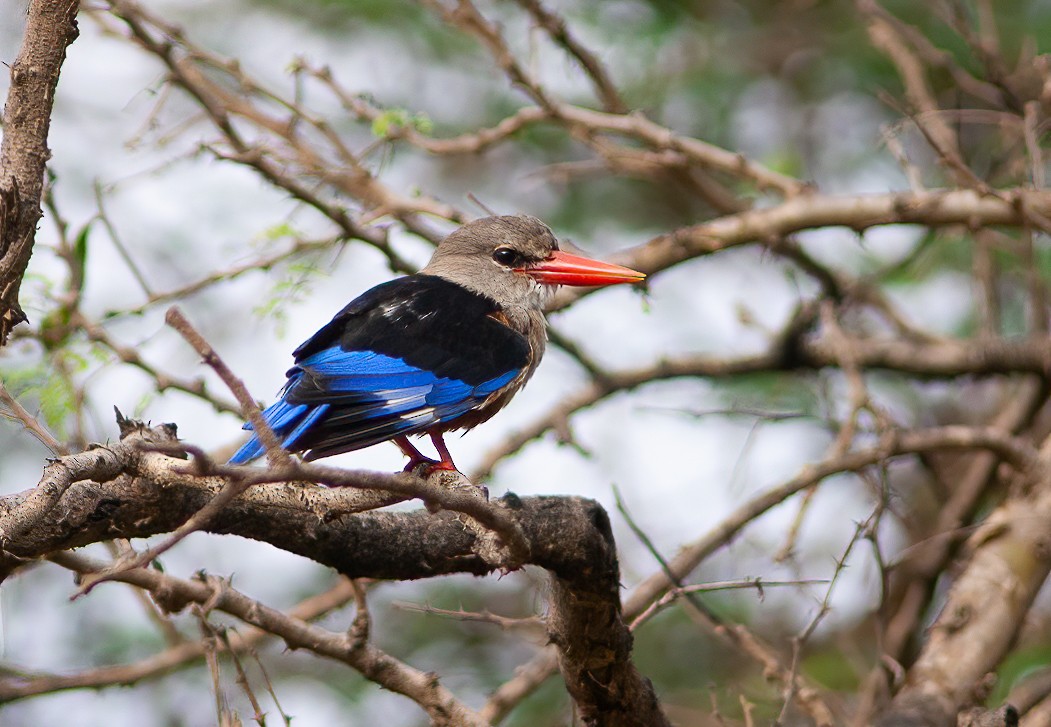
(441, 350)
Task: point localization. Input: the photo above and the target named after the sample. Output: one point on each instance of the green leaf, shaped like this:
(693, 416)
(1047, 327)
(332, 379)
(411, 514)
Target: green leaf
(40, 387)
(393, 120)
(80, 247)
(423, 123)
(772, 392)
(389, 120)
(57, 402)
(280, 231)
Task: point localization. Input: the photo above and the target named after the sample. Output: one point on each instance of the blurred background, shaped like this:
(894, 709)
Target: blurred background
(144, 202)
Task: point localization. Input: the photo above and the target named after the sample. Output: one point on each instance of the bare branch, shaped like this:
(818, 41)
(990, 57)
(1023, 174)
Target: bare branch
(931, 208)
(983, 612)
(276, 455)
(50, 28)
(424, 689)
(556, 28)
(177, 657)
(1013, 450)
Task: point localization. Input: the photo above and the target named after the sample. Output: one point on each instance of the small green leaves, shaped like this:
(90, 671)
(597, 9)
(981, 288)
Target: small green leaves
(53, 392)
(389, 123)
(280, 231)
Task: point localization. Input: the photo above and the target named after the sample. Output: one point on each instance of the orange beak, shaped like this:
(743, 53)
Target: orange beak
(565, 269)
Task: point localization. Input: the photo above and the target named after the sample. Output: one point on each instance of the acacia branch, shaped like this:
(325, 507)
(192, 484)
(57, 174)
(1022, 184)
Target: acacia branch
(555, 27)
(50, 27)
(1005, 446)
(175, 593)
(930, 208)
(983, 613)
(569, 537)
(918, 573)
(1001, 445)
(932, 360)
(148, 493)
(179, 656)
(289, 146)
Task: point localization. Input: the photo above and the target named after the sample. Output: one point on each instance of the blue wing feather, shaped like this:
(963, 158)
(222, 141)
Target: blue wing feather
(360, 398)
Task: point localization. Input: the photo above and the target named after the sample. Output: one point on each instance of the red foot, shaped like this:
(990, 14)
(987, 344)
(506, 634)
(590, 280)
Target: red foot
(416, 458)
(431, 467)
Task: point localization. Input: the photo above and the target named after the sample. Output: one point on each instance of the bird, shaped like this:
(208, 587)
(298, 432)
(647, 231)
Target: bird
(440, 350)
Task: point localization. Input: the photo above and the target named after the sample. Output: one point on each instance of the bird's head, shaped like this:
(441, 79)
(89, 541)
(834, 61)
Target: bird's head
(515, 260)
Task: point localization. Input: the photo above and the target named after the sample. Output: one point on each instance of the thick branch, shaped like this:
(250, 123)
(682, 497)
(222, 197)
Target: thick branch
(50, 27)
(933, 208)
(569, 537)
(982, 614)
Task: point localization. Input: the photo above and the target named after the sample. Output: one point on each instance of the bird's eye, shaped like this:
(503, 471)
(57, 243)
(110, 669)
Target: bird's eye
(505, 256)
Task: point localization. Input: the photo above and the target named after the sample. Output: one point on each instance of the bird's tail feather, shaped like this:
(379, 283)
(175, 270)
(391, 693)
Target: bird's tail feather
(289, 422)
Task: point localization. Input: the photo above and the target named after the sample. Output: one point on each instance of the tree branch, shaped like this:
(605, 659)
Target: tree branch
(50, 27)
(175, 593)
(179, 656)
(931, 208)
(983, 613)
(148, 493)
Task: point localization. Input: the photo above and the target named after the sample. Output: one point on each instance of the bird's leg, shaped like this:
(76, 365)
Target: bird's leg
(416, 457)
(447, 459)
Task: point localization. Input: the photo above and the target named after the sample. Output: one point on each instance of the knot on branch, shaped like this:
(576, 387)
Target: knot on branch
(137, 430)
(499, 541)
(169, 598)
(1006, 716)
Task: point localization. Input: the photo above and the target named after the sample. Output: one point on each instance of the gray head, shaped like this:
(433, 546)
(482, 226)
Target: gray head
(494, 255)
(515, 261)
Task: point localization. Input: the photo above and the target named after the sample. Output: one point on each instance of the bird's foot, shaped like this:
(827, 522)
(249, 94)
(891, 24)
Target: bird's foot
(424, 467)
(428, 467)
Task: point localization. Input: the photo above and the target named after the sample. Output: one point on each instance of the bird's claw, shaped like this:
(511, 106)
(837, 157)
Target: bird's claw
(426, 467)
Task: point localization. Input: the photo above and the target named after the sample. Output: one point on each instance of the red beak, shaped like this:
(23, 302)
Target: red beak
(565, 269)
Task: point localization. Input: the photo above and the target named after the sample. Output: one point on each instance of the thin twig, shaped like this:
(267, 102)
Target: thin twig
(275, 453)
(30, 422)
(373, 663)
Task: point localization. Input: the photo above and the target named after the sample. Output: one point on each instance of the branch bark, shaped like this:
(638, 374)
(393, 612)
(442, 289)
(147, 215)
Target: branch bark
(180, 656)
(983, 613)
(930, 208)
(149, 493)
(50, 27)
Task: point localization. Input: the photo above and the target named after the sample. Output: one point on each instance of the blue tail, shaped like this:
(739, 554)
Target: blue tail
(288, 421)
